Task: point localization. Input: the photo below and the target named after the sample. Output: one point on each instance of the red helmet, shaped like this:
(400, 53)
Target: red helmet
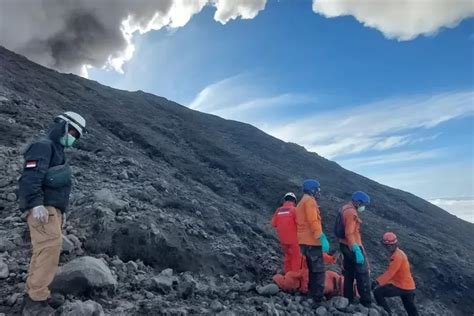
(389, 238)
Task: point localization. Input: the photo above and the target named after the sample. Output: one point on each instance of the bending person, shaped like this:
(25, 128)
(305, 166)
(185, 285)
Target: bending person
(397, 280)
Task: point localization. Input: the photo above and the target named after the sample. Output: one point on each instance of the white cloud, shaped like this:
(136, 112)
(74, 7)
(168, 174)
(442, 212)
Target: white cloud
(430, 180)
(390, 158)
(461, 207)
(74, 35)
(231, 9)
(239, 98)
(380, 125)
(377, 126)
(400, 19)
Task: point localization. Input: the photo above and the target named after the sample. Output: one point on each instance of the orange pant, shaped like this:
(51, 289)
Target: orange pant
(46, 240)
(293, 257)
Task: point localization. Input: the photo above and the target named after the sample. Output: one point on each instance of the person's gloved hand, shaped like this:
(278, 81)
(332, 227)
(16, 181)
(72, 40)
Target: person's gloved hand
(40, 213)
(358, 254)
(375, 285)
(324, 242)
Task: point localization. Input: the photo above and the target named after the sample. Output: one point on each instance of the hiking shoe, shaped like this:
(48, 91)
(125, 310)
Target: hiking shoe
(36, 308)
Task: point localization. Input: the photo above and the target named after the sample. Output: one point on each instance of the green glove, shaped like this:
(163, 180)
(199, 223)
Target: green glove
(358, 254)
(324, 242)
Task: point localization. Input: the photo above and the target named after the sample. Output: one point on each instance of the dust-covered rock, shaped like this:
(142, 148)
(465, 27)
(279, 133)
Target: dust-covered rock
(79, 308)
(268, 290)
(4, 271)
(82, 275)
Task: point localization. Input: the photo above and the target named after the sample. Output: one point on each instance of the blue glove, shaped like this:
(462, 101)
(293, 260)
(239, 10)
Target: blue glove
(324, 242)
(358, 253)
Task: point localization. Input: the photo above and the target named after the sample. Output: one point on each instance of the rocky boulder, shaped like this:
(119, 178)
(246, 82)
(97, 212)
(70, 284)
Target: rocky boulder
(83, 275)
(164, 281)
(268, 290)
(108, 199)
(78, 308)
(4, 271)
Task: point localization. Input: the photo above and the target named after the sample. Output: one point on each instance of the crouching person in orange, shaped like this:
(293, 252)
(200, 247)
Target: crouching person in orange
(284, 220)
(397, 280)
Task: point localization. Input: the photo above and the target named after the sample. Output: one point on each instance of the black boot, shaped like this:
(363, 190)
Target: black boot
(36, 308)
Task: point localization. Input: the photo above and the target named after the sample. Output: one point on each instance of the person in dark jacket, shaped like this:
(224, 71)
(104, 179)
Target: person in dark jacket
(44, 189)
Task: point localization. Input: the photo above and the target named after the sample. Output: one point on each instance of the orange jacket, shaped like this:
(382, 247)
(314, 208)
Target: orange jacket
(284, 220)
(352, 223)
(398, 272)
(308, 221)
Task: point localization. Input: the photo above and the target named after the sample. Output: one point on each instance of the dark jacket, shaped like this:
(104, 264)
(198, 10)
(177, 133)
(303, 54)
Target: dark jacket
(44, 153)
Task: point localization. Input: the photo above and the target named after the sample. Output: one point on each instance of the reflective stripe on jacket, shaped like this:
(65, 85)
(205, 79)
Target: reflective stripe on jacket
(284, 220)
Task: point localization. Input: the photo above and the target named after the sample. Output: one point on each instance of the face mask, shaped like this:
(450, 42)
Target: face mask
(361, 208)
(68, 140)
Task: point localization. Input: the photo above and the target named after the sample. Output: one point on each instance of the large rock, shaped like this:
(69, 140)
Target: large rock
(108, 199)
(163, 283)
(78, 308)
(321, 311)
(216, 306)
(77, 243)
(4, 272)
(6, 245)
(373, 312)
(340, 302)
(268, 290)
(83, 275)
(67, 246)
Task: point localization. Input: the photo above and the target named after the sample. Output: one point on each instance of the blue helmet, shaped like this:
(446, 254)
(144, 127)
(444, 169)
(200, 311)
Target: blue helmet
(311, 186)
(361, 197)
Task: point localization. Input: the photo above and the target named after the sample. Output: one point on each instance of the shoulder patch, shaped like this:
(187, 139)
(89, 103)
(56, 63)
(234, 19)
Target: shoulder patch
(31, 164)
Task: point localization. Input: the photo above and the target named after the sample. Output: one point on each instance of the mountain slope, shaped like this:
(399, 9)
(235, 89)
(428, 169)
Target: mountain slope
(199, 191)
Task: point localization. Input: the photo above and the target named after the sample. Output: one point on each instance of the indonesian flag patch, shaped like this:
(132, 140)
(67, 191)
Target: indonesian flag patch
(30, 164)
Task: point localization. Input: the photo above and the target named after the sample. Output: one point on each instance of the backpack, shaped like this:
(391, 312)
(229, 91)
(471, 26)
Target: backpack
(339, 229)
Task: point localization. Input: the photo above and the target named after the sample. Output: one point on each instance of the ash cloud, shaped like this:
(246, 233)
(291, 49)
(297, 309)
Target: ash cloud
(72, 35)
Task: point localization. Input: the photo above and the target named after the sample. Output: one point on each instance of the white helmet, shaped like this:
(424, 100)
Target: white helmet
(290, 194)
(75, 120)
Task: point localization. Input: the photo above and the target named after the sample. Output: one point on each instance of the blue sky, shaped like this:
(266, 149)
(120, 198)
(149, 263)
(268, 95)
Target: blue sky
(398, 111)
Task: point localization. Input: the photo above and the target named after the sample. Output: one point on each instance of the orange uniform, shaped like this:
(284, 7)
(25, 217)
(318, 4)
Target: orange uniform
(308, 221)
(398, 273)
(351, 225)
(284, 220)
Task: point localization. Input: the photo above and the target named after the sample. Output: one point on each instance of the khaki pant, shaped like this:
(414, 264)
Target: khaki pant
(46, 240)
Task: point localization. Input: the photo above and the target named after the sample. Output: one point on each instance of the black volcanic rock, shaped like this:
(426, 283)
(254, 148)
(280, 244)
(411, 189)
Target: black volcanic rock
(196, 193)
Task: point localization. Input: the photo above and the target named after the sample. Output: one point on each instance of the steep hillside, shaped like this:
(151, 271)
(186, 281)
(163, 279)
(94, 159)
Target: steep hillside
(195, 192)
